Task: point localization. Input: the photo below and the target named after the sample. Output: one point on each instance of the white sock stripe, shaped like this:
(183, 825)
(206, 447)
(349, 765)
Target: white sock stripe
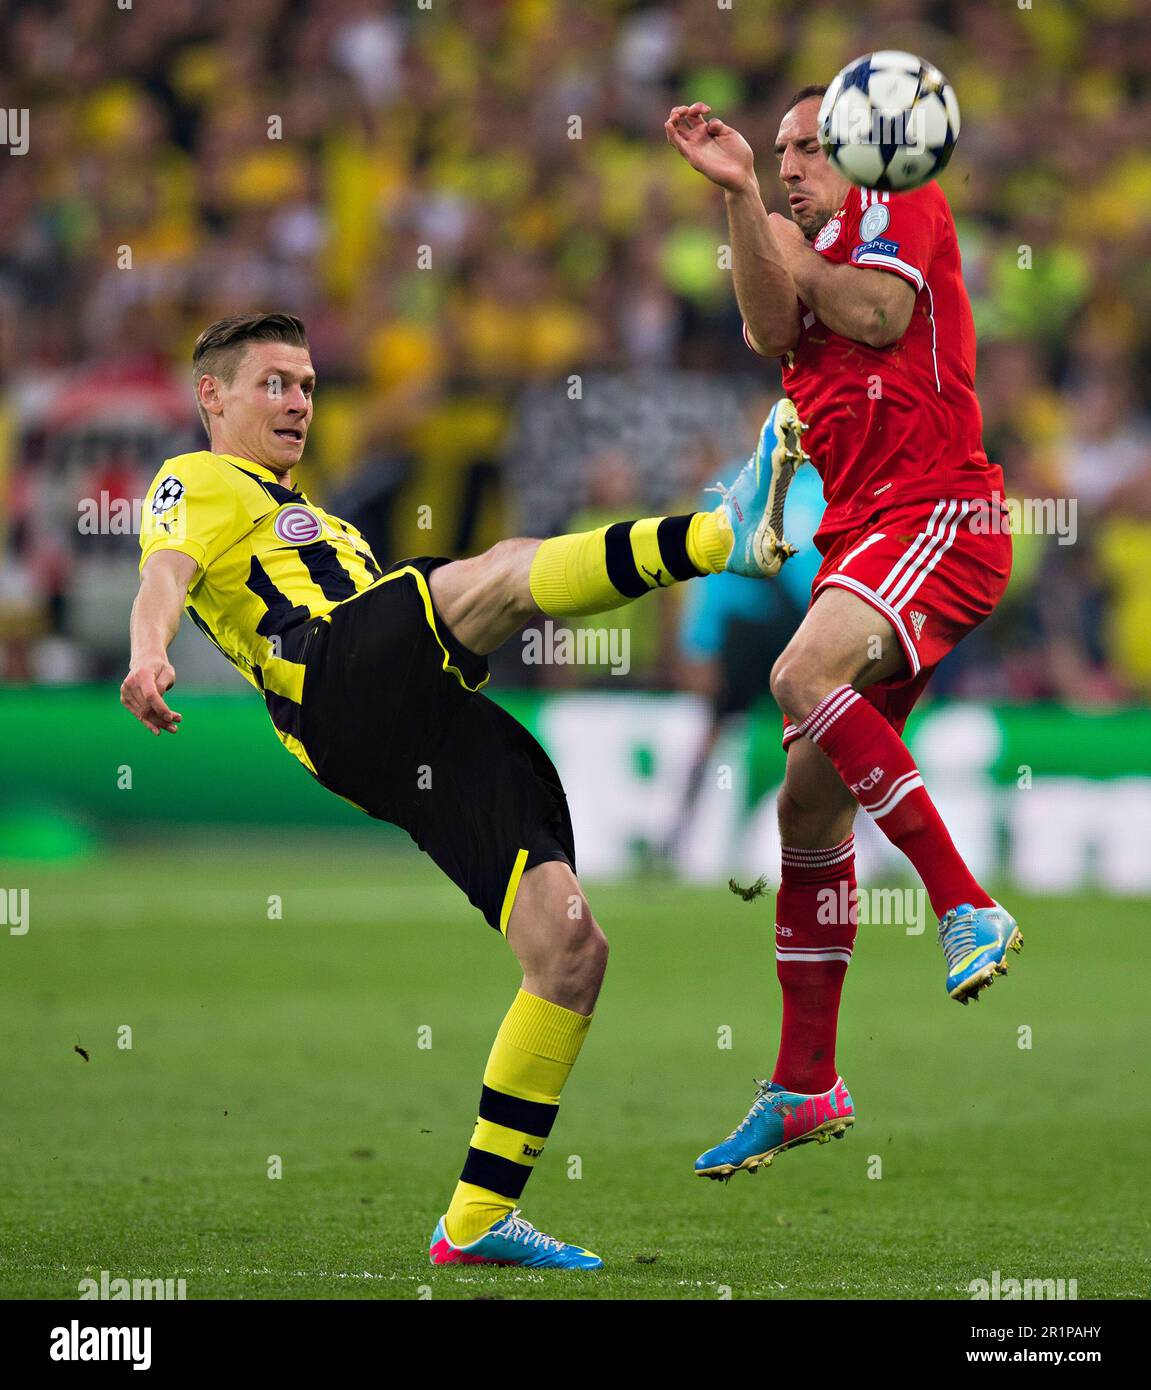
(888, 791)
(818, 862)
(818, 858)
(897, 594)
(819, 957)
(818, 717)
(820, 728)
(912, 550)
(839, 693)
(898, 792)
(829, 703)
(822, 863)
(909, 594)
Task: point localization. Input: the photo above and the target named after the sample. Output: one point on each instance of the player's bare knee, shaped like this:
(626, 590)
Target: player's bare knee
(597, 950)
(505, 553)
(799, 681)
(504, 566)
(584, 946)
(573, 968)
(792, 686)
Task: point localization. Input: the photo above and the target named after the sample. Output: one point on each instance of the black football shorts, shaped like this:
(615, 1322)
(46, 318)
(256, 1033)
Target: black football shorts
(393, 721)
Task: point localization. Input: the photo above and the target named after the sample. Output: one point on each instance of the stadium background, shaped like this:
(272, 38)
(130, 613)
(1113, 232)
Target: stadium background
(518, 332)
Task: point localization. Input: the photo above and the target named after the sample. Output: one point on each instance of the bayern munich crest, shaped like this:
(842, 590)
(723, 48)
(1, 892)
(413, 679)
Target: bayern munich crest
(829, 235)
(297, 525)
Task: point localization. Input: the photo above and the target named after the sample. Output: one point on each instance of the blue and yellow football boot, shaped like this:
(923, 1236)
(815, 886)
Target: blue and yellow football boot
(512, 1240)
(975, 941)
(754, 502)
(778, 1120)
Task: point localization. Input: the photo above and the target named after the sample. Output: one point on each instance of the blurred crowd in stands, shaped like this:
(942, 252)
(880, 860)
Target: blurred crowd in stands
(512, 288)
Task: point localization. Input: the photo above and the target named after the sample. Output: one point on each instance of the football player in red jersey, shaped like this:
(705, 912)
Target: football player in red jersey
(861, 294)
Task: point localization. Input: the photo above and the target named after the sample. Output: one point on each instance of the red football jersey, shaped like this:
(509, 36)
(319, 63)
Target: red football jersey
(895, 424)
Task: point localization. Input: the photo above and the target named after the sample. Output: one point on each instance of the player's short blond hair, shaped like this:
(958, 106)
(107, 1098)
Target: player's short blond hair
(219, 348)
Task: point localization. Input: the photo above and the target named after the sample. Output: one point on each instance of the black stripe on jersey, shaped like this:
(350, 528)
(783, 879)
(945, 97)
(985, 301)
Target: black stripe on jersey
(369, 563)
(276, 491)
(204, 628)
(282, 614)
(529, 1116)
(329, 576)
(621, 566)
(366, 555)
(671, 537)
(495, 1173)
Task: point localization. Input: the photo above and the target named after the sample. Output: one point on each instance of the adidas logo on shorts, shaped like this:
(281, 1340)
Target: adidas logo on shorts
(917, 621)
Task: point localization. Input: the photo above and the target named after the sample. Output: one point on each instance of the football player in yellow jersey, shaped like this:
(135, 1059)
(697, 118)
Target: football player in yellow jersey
(371, 677)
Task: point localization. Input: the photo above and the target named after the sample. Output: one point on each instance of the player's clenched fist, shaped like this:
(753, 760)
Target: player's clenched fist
(710, 146)
(143, 693)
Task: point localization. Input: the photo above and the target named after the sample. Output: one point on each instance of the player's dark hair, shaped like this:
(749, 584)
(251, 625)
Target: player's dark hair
(219, 348)
(816, 89)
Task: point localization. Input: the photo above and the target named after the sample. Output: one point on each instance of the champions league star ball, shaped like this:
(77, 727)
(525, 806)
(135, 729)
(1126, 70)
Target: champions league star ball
(889, 120)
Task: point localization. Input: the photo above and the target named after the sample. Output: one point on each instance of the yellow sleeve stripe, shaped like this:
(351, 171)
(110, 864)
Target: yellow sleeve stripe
(512, 890)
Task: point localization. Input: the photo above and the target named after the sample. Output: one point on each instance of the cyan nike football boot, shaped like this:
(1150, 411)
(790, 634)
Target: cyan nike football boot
(754, 502)
(512, 1240)
(975, 941)
(779, 1120)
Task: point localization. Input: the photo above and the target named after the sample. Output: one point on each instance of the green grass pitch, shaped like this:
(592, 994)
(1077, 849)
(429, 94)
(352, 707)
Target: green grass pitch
(298, 1037)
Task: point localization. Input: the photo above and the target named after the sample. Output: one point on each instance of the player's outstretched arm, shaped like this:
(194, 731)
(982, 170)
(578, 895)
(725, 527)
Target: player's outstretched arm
(763, 284)
(869, 306)
(155, 620)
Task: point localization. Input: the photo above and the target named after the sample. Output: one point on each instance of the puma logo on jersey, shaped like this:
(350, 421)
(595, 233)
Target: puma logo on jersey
(871, 781)
(657, 578)
(917, 621)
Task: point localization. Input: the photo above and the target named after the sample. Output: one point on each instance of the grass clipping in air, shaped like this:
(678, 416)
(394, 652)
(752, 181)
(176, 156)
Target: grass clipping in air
(756, 890)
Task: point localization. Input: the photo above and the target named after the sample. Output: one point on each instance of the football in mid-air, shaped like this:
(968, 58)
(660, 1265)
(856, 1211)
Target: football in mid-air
(889, 120)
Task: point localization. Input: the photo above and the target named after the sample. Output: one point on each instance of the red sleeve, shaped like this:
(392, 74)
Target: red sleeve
(900, 232)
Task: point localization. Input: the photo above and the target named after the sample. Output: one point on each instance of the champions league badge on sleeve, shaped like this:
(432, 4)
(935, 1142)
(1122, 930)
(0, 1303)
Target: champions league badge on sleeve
(166, 496)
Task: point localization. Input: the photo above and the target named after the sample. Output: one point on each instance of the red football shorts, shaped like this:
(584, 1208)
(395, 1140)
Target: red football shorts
(934, 570)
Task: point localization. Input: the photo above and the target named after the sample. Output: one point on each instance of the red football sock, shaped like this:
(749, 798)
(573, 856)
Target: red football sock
(875, 764)
(815, 917)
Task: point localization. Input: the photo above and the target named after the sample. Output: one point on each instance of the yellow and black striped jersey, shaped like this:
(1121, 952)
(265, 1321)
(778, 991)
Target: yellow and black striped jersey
(268, 561)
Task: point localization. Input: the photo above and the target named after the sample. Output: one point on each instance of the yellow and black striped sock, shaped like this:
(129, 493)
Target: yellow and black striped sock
(531, 1058)
(592, 571)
